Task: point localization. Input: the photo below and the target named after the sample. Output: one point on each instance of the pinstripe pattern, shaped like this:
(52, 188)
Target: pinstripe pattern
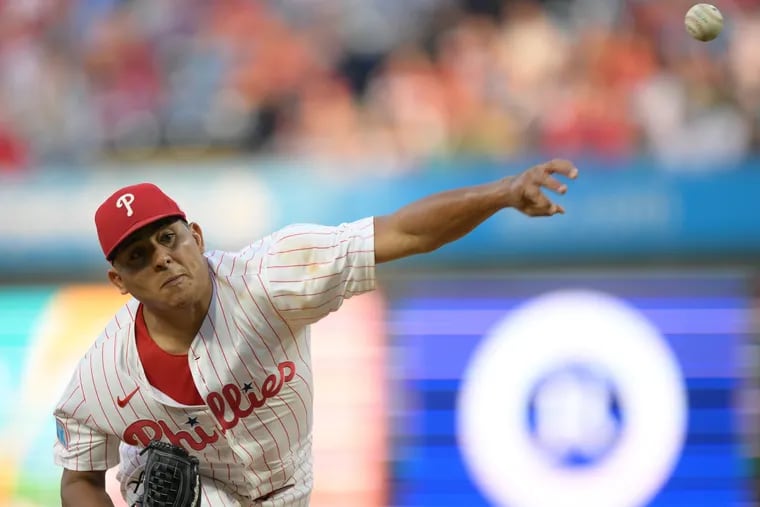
(250, 360)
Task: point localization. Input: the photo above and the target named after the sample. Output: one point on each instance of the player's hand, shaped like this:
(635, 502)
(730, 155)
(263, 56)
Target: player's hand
(525, 191)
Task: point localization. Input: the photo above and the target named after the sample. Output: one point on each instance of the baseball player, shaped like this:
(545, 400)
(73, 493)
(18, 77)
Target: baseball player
(211, 353)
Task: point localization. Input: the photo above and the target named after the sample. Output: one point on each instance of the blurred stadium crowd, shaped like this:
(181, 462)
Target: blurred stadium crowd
(404, 81)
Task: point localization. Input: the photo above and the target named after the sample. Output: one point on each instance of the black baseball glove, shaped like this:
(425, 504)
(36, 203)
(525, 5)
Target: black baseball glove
(170, 478)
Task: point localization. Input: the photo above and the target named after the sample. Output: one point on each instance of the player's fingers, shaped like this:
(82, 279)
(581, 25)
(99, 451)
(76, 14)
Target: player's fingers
(540, 204)
(550, 210)
(553, 209)
(563, 167)
(545, 207)
(537, 204)
(554, 184)
(546, 211)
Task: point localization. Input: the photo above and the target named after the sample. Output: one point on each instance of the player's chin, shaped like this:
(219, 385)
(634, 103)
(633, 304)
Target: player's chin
(178, 302)
(178, 296)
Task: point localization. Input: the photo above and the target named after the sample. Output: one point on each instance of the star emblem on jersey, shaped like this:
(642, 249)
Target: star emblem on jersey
(228, 406)
(122, 402)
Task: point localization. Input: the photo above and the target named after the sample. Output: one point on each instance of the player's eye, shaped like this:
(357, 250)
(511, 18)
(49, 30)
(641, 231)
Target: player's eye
(166, 237)
(135, 254)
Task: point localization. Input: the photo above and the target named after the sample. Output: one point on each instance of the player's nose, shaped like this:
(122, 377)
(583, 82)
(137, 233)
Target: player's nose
(161, 257)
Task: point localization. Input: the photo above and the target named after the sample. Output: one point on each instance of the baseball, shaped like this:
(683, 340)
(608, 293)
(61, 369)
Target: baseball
(704, 22)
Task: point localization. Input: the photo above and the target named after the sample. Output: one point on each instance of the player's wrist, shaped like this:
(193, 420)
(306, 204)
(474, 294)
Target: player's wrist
(506, 193)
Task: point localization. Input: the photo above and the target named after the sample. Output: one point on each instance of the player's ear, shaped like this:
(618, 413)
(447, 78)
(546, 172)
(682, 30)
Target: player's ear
(115, 279)
(197, 233)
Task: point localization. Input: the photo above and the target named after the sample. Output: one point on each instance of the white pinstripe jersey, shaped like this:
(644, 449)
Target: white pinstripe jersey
(250, 362)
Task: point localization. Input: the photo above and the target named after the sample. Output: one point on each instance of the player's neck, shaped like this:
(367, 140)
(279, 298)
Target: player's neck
(173, 329)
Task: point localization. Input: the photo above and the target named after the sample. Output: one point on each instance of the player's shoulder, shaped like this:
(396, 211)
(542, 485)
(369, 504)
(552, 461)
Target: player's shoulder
(299, 234)
(289, 238)
(117, 330)
(312, 228)
(247, 260)
(223, 264)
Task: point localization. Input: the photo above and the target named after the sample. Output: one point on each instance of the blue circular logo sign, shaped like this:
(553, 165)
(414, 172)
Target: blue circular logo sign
(556, 405)
(574, 415)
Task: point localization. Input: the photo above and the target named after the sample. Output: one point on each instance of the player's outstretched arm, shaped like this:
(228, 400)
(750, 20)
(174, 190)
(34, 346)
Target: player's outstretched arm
(84, 489)
(433, 221)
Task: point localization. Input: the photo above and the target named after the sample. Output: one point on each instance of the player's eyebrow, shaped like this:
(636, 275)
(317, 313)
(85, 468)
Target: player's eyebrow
(142, 233)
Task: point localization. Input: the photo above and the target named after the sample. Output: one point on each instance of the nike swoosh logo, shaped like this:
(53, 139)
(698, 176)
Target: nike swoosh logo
(123, 402)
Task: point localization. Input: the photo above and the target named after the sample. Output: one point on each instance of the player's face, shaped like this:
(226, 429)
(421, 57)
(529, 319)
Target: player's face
(162, 265)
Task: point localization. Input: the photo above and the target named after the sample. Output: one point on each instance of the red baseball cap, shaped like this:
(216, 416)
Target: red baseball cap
(129, 209)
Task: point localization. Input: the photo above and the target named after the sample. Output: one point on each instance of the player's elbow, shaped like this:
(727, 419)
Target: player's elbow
(403, 246)
(393, 242)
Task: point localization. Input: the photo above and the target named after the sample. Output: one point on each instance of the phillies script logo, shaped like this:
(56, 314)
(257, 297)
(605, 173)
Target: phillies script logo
(125, 201)
(241, 403)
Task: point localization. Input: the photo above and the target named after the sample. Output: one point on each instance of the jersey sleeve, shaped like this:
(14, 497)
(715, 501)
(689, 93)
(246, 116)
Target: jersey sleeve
(79, 444)
(311, 269)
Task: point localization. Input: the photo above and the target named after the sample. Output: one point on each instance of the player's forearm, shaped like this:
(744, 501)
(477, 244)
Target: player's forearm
(431, 222)
(82, 492)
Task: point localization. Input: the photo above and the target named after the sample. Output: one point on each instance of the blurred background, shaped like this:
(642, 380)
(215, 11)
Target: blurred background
(534, 363)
